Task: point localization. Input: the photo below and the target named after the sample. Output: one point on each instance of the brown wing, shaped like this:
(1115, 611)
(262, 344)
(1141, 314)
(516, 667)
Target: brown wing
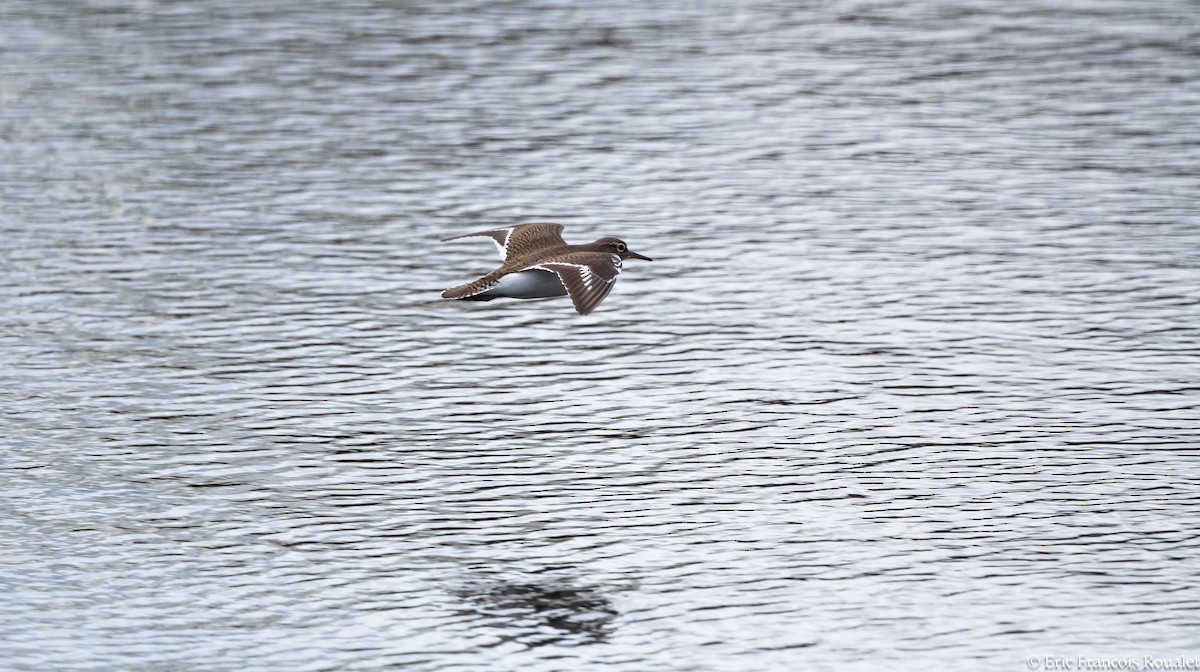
(498, 236)
(516, 241)
(588, 277)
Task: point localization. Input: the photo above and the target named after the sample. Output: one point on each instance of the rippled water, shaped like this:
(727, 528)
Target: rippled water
(913, 379)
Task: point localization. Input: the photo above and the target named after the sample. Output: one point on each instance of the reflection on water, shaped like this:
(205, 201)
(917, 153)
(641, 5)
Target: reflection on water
(913, 380)
(540, 613)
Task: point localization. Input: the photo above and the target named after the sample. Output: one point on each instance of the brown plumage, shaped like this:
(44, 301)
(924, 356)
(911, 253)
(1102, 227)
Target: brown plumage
(532, 252)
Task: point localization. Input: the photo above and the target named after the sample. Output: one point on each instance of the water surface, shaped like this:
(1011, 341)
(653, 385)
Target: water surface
(913, 380)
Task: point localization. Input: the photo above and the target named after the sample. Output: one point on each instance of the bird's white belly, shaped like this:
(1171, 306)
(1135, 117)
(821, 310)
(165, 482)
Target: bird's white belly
(531, 284)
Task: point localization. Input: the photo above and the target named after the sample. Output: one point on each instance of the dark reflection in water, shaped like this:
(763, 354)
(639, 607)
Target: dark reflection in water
(913, 383)
(541, 613)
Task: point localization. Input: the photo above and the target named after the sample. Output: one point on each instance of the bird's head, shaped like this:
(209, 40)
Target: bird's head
(618, 247)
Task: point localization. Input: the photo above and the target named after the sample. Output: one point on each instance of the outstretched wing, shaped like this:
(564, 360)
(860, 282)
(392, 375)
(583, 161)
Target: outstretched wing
(514, 241)
(588, 276)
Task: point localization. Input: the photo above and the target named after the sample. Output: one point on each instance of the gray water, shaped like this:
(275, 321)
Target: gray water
(912, 383)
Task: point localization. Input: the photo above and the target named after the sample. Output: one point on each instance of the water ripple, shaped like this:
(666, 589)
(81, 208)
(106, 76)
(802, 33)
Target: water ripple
(912, 380)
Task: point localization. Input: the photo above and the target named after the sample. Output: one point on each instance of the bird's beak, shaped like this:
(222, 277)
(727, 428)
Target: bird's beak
(635, 255)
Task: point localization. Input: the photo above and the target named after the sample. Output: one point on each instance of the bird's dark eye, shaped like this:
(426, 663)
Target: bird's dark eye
(620, 247)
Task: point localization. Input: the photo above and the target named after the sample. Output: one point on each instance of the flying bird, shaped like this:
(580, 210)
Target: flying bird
(538, 264)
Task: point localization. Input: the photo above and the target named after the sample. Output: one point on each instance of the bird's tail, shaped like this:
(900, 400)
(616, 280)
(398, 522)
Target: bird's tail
(472, 288)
